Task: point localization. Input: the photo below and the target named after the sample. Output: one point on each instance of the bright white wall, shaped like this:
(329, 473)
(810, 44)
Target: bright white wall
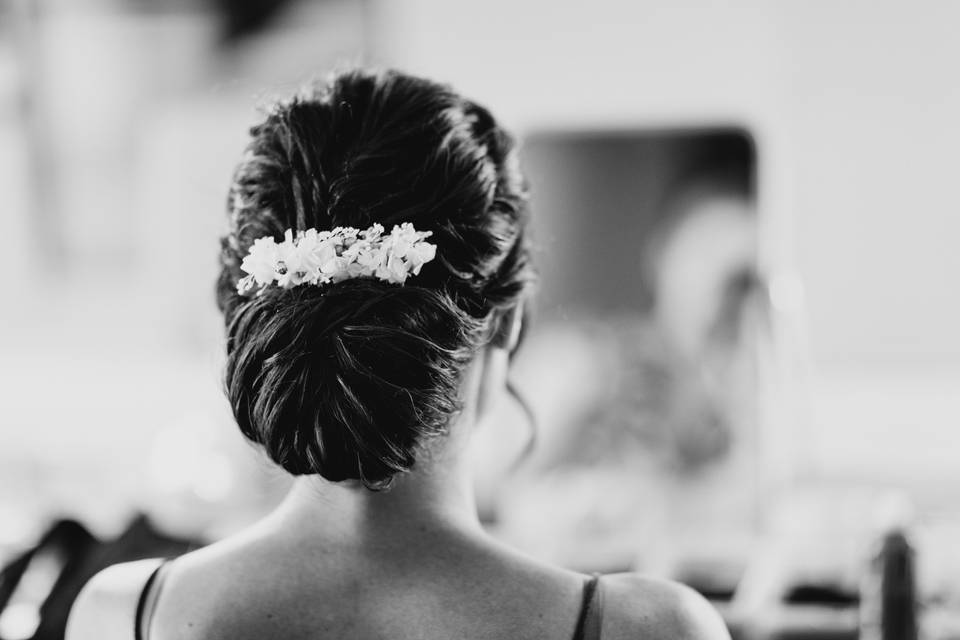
(874, 115)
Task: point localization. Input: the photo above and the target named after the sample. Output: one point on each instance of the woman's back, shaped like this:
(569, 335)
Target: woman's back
(267, 584)
(458, 591)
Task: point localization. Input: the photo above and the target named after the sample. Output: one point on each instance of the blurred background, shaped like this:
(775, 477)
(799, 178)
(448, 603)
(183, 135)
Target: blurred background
(743, 361)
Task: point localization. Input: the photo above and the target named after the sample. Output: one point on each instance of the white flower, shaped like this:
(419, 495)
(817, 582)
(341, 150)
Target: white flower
(422, 253)
(335, 269)
(291, 266)
(394, 270)
(373, 233)
(371, 257)
(347, 235)
(402, 239)
(261, 261)
(324, 254)
(351, 252)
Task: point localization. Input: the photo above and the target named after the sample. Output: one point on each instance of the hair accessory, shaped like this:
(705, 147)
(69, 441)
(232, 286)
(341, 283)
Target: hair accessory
(321, 257)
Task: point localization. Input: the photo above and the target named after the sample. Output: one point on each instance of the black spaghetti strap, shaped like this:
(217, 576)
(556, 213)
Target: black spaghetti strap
(146, 601)
(585, 608)
(591, 628)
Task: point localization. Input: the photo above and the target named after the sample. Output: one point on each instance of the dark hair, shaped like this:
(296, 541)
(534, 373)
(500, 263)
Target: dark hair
(349, 380)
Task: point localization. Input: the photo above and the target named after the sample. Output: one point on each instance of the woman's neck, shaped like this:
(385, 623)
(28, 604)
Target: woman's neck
(437, 497)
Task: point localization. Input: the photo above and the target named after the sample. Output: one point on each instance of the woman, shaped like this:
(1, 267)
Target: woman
(361, 358)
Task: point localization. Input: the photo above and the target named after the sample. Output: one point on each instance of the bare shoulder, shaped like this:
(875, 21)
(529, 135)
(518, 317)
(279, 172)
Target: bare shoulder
(106, 607)
(636, 606)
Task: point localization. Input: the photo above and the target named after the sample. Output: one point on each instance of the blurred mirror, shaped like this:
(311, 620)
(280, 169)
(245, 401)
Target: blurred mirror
(640, 357)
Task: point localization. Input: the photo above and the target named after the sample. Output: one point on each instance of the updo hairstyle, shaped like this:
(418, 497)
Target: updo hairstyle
(350, 380)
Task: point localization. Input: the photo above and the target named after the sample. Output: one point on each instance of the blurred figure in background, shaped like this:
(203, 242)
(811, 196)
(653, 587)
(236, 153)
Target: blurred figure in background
(648, 427)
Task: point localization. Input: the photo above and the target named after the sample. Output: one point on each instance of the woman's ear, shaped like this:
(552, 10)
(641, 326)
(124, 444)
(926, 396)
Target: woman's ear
(496, 359)
(507, 333)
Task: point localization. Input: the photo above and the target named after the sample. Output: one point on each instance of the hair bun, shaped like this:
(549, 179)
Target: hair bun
(346, 383)
(349, 380)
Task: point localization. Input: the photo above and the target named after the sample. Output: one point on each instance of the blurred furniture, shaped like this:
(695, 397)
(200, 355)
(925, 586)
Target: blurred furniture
(38, 587)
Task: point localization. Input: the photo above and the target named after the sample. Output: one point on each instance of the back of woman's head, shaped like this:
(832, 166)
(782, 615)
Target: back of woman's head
(350, 380)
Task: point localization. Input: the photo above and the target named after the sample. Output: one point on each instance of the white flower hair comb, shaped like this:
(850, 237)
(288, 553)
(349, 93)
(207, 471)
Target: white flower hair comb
(321, 257)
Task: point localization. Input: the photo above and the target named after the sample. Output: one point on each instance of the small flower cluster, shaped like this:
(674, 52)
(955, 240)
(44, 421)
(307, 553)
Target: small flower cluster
(321, 257)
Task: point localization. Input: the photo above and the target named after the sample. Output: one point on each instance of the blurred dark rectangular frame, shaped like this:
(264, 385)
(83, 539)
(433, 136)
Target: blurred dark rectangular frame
(596, 194)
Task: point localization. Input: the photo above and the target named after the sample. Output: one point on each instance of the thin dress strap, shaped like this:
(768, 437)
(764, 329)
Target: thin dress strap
(588, 623)
(148, 602)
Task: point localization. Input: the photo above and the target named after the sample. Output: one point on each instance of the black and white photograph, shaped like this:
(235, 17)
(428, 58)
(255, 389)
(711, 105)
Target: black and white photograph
(491, 320)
